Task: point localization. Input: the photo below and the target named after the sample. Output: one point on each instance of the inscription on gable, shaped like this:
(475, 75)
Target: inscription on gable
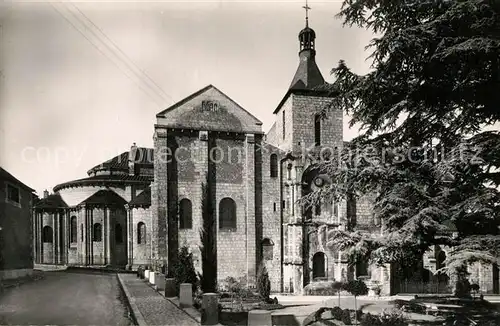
(210, 106)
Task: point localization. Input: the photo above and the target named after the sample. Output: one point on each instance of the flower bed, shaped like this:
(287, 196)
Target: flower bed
(339, 317)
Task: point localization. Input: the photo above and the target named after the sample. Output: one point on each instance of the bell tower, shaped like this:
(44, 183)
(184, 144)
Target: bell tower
(308, 75)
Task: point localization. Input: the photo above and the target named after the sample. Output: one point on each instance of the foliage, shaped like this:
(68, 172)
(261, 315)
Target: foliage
(323, 288)
(423, 153)
(337, 313)
(263, 283)
(377, 289)
(393, 318)
(370, 320)
(208, 279)
(183, 270)
(346, 317)
(356, 287)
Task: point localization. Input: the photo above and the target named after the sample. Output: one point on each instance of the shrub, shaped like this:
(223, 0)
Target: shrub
(359, 314)
(184, 271)
(346, 317)
(337, 313)
(370, 320)
(356, 288)
(319, 288)
(393, 318)
(263, 283)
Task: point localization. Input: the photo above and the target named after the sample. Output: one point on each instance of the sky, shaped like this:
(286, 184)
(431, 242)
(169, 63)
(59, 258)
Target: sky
(68, 103)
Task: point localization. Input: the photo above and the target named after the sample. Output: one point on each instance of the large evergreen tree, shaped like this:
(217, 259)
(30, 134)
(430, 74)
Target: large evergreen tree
(422, 150)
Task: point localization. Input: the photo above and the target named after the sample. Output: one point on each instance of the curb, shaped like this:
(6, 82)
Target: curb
(190, 311)
(136, 314)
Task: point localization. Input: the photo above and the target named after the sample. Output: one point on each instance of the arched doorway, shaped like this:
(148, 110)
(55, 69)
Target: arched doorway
(319, 265)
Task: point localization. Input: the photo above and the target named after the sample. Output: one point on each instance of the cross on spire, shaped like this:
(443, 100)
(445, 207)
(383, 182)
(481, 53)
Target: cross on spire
(307, 8)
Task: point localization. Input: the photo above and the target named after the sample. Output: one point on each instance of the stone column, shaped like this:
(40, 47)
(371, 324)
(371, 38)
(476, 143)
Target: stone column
(91, 236)
(130, 237)
(250, 207)
(200, 157)
(159, 197)
(107, 235)
(84, 242)
(35, 236)
(55, 243)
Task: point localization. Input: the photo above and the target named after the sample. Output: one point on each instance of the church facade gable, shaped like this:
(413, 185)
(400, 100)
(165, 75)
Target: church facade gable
(209, 109)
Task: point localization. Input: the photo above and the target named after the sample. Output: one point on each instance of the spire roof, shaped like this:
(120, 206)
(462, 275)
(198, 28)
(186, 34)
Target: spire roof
(307, 75)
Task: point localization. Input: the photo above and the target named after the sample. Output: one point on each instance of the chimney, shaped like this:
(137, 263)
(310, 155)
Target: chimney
(132, 156)
(45, 193)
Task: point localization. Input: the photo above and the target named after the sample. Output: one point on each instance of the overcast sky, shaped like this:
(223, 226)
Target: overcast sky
(62, 94)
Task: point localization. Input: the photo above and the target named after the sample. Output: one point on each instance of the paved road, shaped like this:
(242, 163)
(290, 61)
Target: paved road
(65, 298)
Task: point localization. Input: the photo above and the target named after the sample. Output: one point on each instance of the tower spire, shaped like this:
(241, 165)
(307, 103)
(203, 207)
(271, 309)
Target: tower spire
(308, 75)
(307, 8)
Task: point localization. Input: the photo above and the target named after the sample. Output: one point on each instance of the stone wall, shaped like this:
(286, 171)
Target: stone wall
(304, 109)
(16, 241)
(285, 143)
(141, 252)
(270, 210)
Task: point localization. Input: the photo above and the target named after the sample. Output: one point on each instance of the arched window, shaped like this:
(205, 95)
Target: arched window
(73, 230)
(118, 233)
(319, 265)
(47, 234)
(185, 214)
(267, 249)
(274, 166)
(141, 233)
(97, 232)
(227, 214)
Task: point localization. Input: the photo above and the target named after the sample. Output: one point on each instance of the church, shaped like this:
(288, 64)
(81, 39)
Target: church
(140, 207)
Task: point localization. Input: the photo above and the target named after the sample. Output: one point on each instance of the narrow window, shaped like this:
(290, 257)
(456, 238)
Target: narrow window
(47, 234)
(118, 233)
(317, 130)
(289, 172)
(73, 234)
(97, 232)
(274, 207)
(274, 166)
(141, 233)
(81, 233)
(13, 194)
(283, 204)
(227, 213)
(284, 130)
(185, 214)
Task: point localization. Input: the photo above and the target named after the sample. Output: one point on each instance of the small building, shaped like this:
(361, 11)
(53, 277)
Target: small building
(16, 203)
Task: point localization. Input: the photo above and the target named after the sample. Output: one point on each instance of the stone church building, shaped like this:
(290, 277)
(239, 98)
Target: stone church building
(140, 207)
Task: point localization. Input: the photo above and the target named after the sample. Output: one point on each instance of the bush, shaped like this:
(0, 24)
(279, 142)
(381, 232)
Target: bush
(263, 283)
(346, 317)
(184, 271)
(356, 287)
(393, 318)
(319, 288)
(337, 313)
(359, 314)
(370, 320)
